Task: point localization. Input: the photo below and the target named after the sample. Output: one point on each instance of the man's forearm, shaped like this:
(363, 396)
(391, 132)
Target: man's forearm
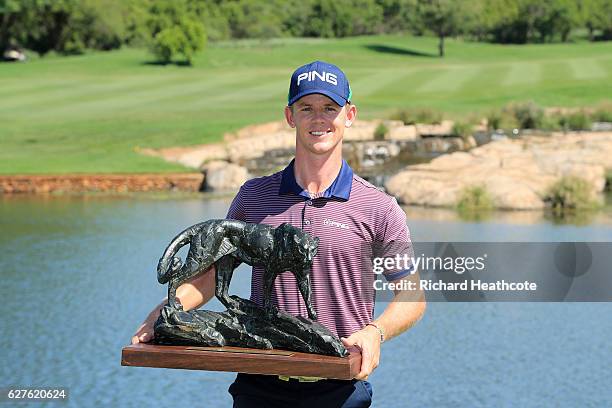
(404, 311)
(197, 291)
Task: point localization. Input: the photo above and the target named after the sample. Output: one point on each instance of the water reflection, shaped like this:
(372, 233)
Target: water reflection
(79, 274)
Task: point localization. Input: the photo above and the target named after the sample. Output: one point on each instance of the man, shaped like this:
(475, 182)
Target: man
(319, 193)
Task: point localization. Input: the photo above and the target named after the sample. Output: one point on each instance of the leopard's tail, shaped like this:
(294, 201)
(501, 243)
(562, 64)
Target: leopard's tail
(169, 263)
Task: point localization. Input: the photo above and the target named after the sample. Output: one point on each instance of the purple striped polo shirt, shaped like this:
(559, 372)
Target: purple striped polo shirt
(349, 217)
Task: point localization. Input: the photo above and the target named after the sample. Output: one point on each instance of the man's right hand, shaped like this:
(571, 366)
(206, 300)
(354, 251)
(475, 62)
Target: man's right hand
(192, 294)
(145, 332)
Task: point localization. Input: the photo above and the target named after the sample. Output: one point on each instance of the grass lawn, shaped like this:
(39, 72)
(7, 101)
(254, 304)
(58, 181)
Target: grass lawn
(89, 113)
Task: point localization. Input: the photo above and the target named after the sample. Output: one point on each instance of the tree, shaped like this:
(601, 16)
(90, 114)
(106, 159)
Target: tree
(443, 17)
(596, 15)
(400, 15)
(64, 26)
(175, 31)
(552, 17)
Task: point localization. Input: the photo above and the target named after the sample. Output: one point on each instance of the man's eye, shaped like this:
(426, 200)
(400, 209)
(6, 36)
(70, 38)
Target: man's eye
(331, 109)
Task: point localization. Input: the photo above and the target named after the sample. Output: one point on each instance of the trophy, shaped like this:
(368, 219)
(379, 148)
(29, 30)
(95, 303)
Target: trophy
(246, 338)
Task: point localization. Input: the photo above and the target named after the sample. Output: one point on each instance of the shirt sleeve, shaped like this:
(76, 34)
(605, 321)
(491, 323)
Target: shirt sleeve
(236, 210)
(394, 242)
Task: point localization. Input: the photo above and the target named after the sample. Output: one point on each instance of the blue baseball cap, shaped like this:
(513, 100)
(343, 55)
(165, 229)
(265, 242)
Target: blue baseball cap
(321, 78)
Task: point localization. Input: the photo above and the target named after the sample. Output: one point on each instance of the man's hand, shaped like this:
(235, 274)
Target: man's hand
(145, 332)
(368, 341)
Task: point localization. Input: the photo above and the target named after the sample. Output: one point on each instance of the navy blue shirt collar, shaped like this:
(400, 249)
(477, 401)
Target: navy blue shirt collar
(340, 188)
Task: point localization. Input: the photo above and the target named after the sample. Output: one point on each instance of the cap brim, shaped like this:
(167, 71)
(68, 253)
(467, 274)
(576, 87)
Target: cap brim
(340, 101)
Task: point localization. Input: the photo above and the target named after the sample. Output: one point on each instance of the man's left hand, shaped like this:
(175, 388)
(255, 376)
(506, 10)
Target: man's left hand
(368, 341)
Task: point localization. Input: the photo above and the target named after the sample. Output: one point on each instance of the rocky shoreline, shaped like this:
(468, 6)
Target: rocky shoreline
(265, 148)
(45, 184)
(516, 173)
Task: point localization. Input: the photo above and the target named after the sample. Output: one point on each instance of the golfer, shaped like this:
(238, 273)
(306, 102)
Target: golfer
(319, 192)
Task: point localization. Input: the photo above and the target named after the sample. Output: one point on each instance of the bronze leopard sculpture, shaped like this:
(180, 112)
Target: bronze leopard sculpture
(228, 243)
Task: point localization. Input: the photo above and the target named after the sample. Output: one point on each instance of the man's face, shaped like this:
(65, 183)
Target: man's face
(319, 122)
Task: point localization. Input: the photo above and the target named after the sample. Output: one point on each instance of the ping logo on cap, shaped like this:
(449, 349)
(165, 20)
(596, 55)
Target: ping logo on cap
(319, 77)
(312, 75)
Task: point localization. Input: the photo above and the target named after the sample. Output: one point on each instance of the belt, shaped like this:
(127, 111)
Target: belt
(299, 378)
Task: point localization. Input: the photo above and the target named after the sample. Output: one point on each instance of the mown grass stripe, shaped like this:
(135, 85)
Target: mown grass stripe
(135, 97)
(488, 80)
(372, 82)
(449, 80)
(403, 90)
(84, 90)
(587, 68)
(522, 73)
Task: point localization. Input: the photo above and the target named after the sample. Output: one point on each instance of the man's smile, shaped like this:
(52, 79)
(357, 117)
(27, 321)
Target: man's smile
(320, 133)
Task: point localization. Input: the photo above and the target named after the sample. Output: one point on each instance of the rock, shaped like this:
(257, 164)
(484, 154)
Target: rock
(196, 157)
(361, 130)
(241, 150)
(469, 142)
(601, 127)
(507, 194)
(403, 133)
(257, 130)
(223, 176)
(443, 129)
(517, 173)
(452, 161)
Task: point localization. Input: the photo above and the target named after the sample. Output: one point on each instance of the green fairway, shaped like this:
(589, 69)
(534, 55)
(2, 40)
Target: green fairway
(90, 113)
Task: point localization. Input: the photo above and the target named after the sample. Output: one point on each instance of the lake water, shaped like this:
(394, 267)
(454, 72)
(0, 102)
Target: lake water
(79, 276)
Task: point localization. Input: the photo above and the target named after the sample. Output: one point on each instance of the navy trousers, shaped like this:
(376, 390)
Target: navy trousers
(258, 391)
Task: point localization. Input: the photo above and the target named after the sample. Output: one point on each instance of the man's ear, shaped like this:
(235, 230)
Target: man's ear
(289, 116)
(351, 115)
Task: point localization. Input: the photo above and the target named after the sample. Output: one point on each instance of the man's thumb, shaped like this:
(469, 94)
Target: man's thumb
(348, 342)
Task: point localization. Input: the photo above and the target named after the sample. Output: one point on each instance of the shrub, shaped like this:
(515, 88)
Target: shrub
(475, 198)
(603, 113)
(573, 193)
(175, 32)
(462, 129)
(412, 116)
(551, 122)
(528, 114)
(380, 132)
(501, 119)
(609, 180)
(575, 121)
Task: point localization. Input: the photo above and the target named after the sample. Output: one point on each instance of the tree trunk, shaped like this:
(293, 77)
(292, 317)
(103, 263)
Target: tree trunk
(565, 35)
(441, 46)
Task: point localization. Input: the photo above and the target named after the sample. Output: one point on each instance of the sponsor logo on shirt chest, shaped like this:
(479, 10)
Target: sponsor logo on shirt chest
(335, 224)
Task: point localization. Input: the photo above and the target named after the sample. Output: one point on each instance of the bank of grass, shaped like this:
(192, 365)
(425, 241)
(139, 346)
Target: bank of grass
(90, 113)
(570, 194)
(475, 199)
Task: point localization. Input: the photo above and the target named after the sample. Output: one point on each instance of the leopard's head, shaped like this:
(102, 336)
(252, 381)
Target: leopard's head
(299, 245)
(306, 246)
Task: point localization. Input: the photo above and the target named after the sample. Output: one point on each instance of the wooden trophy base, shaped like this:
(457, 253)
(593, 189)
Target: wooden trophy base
(241, 360)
